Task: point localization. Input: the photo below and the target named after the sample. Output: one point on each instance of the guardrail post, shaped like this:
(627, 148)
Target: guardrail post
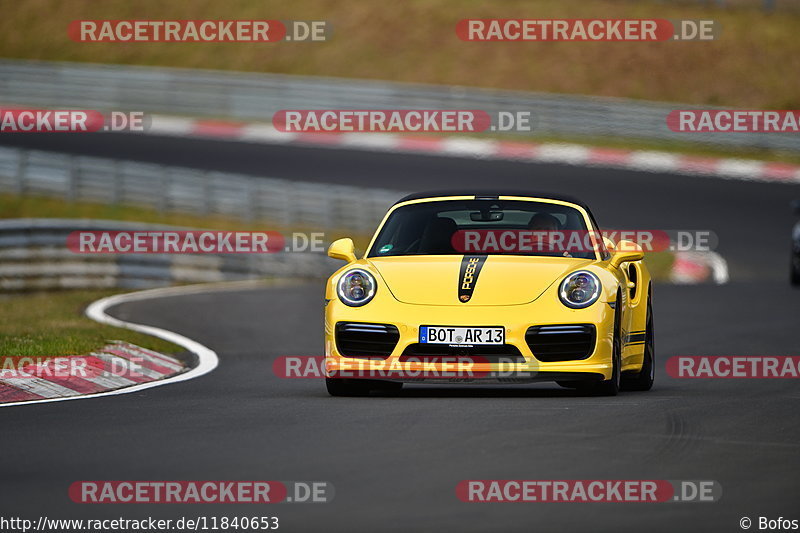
(207, 191)
(116, 184)
(250, 212)
(163, 201)
(72, 179)
(22, 168)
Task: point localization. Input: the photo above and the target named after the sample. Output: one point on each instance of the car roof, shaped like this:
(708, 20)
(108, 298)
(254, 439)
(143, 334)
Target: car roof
(491, 194)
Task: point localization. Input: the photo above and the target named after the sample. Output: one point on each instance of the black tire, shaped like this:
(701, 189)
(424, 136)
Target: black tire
(643, 380)
(359, 387)
(611, 386)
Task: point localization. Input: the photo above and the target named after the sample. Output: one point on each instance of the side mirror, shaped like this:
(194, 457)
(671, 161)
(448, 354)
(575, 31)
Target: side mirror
(342, 249)
(625, 252)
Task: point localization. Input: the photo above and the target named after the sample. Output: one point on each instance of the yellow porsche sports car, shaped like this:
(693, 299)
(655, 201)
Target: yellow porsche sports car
(488, 287)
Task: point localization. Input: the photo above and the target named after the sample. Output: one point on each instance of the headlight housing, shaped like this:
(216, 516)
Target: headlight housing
(580, 289)
(356, 287)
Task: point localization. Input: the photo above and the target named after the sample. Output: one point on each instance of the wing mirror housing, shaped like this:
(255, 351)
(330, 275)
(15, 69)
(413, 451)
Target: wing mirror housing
(626, 252)
(342, 249)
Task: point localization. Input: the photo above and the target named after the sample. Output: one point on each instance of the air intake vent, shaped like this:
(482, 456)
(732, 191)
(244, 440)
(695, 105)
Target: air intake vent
(366, 341)
(561, 343)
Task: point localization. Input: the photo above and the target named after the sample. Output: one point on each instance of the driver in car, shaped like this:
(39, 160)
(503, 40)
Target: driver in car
(544, 226)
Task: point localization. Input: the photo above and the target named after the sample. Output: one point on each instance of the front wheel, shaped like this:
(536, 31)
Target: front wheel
(610, 387)
(643, 380)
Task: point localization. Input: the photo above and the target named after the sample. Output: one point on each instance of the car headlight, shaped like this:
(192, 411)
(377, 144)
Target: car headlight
(580, 289)
(356, 287)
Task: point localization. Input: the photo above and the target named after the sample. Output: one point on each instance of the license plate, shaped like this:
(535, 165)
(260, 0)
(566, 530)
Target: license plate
(458, 335)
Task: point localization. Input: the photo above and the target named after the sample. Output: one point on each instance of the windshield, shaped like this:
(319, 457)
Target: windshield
(510, 227)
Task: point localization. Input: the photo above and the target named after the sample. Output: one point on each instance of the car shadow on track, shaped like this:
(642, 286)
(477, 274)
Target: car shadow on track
(468, 392)
(486, 392)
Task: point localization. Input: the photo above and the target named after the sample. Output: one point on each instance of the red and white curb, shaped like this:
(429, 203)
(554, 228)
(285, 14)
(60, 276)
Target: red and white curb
(572, 154)
(115, 366)
(157, 370)
(698, 267)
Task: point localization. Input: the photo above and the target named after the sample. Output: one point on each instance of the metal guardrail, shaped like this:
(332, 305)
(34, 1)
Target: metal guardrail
(256, 97)
(33, 253)
(285, 203)
(34, 256)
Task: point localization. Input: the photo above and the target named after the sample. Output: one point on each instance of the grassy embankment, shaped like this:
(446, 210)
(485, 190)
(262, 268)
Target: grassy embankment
(750, 65)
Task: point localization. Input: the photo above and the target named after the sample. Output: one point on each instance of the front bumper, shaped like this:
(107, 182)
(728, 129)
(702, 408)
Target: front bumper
(470, 365)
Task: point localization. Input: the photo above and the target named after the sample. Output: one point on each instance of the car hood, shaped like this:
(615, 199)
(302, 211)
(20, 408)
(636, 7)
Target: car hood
(446, 280)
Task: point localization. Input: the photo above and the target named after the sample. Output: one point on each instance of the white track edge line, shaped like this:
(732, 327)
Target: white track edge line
(719, 267)
(207, 358)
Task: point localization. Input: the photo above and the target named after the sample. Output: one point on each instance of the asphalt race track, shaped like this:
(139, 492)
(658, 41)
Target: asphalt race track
(395, 459)
(753, 221)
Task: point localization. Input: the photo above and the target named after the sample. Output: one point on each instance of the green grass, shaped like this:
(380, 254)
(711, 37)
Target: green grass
(53, 324)
(659, 264)
(751, 65)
